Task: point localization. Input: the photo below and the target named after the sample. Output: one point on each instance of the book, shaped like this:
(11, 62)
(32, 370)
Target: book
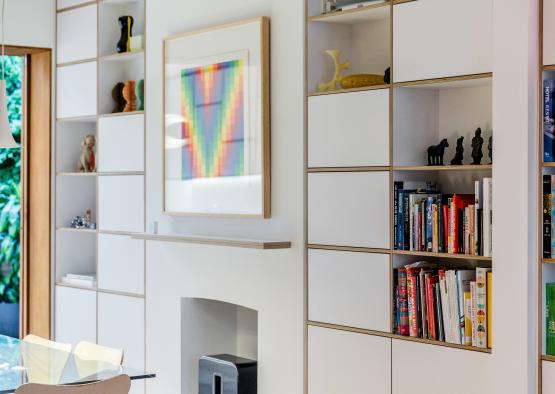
(478, 196)
(403, 302)
(548, 119)
(412, 304)
(464, 277)
(481, 307)
(489, 281)
(458, 203)
(473, 311)
(423, 305)
(396, 187)
(487, 217)
(430, 305)
(552, 215)
(547, 216)
(439, 312)
(550, 319)
(444, 306)
(468, 318)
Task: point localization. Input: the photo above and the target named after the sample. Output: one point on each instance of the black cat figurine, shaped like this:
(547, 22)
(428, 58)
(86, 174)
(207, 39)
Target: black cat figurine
(459, 155)
(126, 25)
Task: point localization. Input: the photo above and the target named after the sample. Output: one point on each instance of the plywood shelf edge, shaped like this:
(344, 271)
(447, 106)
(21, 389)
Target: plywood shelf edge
(215, 241)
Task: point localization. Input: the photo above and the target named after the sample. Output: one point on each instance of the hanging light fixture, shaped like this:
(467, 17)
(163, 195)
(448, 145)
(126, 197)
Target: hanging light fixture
(6, 137)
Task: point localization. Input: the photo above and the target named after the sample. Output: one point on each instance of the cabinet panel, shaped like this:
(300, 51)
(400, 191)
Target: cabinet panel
(76, 90)
(121, 324)
(412, 361)
(345, 362)
(77, 35)
(121, 203)
(121, 143)
(441, 38)
(70, 3)
(548, 32)
(548, 377)
(349, 209)
(349, 129)
(75, 315)
(349, 289)
(121, 264)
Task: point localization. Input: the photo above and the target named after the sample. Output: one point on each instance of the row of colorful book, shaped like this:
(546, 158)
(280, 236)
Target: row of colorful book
(548, 216)
(447, 305)
(548, 120)
(427, 221)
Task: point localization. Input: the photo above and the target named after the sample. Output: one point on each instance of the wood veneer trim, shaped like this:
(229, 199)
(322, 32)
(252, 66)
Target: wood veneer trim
(213, 241)
(432, 81)
(354, 11)
(349, 249)
(353, 90)
(75, 7)
(314, 170)
(442, 255)
(466, 167)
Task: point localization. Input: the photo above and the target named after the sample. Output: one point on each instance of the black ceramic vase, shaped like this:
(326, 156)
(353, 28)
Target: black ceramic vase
(126, 26)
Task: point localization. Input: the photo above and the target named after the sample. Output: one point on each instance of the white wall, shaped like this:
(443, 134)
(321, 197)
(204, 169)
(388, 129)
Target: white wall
(31, 23)
(285, 269)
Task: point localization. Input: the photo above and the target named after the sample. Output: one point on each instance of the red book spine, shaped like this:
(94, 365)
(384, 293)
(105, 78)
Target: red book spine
(413, 313)
(445, 209)
(455, 229)
(430, 308)
(403, 303)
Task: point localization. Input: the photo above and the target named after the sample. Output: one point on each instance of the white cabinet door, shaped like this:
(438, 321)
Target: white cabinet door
(75, 315)
(349, 209)
(349, 289)
(548, 377)
(121, 264)
(412, 360)
(121, 324)
(548, 32)
(77, 35)
(76, 90)
(121, 203)
(442, 38)
(70, 3)
(341, 362)
(121, 144)
(349, 129)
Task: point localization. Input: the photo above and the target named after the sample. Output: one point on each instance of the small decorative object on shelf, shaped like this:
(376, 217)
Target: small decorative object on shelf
(361, 80)
(490, 150)
(332, 84)
(137, 43)
(436, 152)
(387, 76)
(87, 161)
(459, 155)
(225, 373)
(117, 95)
(328, 6)
(140, 94)
(83, 222)
(477, 143)
(126, 26)
(129, 96)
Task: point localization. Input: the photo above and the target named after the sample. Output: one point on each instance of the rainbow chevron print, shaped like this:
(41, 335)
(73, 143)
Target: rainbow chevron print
(212, 103)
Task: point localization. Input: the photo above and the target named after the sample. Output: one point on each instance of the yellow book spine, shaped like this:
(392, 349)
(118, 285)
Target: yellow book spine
(489, 315)
(467, 318)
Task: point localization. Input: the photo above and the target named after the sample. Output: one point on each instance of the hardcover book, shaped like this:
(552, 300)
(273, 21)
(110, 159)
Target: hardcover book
(481, 307)
(550, 319)
(548, 119)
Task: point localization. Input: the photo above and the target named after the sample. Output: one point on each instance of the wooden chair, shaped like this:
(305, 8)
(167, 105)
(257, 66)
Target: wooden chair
(91, 351)
(36, 340)
(118, 385)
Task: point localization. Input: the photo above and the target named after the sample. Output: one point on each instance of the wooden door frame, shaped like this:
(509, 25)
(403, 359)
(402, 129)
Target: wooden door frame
(35, 271)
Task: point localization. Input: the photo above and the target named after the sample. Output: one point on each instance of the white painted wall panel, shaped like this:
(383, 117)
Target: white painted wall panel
(349, 129)
(121, 263)
(548, 377)
(441, 38)
(121, 143)
(344, 362)
(75, 315)
(349, 289)
(548, 32)
(349, 209)
(121, 203)
(77, 34)
(76, 90)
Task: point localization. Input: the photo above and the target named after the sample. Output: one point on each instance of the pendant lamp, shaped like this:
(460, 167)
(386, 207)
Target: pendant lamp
(6, 137)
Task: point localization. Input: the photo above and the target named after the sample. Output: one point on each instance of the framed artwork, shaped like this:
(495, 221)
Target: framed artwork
(217, 121)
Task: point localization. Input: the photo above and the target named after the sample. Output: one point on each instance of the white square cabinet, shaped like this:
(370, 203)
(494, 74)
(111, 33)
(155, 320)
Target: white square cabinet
(121, 324)
(343, 362)
(77, 34)
(121, 143)
(412, 360)
(75, 315)
(349, 209)
(349, 129)
(442, 38)
(121, 264)
(121, 203)
(76, 90)
(548, 377)
(548, 32)
(349, 289)
(62, 4)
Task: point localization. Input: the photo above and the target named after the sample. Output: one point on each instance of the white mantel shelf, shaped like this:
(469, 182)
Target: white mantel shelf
(215, 241)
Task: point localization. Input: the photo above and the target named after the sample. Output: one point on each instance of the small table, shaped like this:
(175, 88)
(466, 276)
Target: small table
(22, 362)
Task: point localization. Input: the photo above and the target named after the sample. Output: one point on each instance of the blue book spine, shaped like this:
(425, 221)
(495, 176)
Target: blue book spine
(429, 224)
(548, 119)
(397, 186)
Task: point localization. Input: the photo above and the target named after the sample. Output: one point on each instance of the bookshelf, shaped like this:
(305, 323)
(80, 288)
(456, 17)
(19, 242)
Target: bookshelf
(350, 253)
(88, 67)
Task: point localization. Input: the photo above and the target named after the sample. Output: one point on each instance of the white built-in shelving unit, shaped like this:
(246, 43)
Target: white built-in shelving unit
(359, 141)
(88, 67)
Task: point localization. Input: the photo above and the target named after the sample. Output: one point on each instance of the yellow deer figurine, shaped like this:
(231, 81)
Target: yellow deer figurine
(332, 85)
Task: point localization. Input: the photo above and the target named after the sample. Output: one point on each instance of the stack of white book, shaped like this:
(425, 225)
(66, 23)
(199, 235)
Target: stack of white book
(86, 280)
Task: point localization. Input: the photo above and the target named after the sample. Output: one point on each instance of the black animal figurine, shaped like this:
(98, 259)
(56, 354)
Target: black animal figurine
(490, 150)
(387, 76)
(436, 152)
(126, 26)
(119, 100)
(458, 159)
(477, 143)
